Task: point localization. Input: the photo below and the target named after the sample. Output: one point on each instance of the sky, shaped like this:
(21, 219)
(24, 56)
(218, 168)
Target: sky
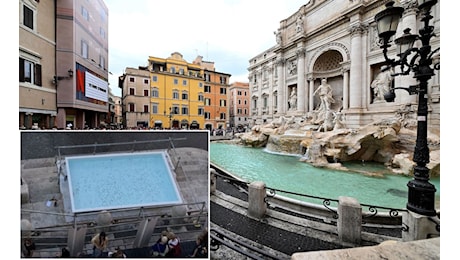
(226, 32)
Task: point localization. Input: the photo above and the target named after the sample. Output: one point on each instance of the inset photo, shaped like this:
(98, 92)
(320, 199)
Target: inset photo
(114, 193)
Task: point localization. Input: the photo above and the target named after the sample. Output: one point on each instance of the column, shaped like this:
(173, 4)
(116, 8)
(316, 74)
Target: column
(301, 79)
(356, 73)
(408, 20)
(281, 86)
(311, 89)
(346, 86)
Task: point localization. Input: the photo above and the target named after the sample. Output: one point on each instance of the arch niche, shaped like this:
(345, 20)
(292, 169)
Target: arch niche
(329, 63)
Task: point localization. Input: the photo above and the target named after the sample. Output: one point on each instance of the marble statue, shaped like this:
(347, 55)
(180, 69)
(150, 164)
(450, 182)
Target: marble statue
(279, 38)
(293, 99)
(381, 84)
(299, 24)
(324, 92)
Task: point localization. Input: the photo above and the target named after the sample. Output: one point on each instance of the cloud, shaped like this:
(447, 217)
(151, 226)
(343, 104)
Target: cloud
(226, 32)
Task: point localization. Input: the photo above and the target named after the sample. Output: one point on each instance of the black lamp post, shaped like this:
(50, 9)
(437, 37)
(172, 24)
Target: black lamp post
(170, 116)
(421, 197)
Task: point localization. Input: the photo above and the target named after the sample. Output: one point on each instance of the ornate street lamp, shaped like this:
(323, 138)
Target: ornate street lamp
(421, 197)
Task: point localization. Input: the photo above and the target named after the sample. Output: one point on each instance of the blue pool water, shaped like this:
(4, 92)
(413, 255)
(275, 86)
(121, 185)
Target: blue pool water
(288, 173)
(120, 180)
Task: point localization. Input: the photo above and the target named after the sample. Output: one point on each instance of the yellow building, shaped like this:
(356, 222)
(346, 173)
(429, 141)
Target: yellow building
(177, 93)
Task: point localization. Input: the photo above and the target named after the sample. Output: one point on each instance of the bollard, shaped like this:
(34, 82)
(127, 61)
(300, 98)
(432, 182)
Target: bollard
(350, 220)
(256, 198)
(213, 179)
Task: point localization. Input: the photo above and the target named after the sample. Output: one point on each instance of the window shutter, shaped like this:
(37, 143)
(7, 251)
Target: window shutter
(21, 70)
(38, 75)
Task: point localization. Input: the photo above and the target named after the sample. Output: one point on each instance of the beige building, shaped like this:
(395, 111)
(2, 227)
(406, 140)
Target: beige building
(37, 37)
(135, 100)
(81, 63)
(336, 41)
(239, 100)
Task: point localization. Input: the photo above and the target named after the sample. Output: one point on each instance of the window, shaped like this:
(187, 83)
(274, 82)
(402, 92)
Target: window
(184, 96)
(184, 110)
(184, 82)
(146, 93)
(265, 101)
(239, 101)
(131, 79)
(173, 70)
(131, 91)
(223, 80)
(200, 84)
(207, 115)
(223, 91)
(200, 97)
(84, 49)
(222, 116)
(175, 110)
(101, 61)
(102, 32)
(239, 93)
(131, 107)
(154, 108)
(239, 111)
(84, 13)
(207, 102)
(207, 77)
(146, 108)
(200, 111)
(154, 78)
(30, 72)
(207, 88)
(223, 103)
(155, 92)
(245, 111)
(28, 17)
(176, 81)
(146, 81)
(181, 71)
(175, 95)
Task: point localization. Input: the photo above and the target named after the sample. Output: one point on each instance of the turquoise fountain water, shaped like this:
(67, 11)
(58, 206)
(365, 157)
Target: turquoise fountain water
(288, 173)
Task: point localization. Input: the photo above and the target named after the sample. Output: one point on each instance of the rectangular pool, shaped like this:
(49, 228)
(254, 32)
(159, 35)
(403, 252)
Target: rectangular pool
(102, 182)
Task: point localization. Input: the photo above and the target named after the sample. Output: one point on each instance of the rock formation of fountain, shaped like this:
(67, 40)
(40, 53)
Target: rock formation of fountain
(324, 141)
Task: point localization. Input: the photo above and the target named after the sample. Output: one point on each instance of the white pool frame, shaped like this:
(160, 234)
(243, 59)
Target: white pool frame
(168, 166)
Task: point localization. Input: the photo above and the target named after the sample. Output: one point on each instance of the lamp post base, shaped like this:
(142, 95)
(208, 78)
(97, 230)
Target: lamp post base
(421, 197)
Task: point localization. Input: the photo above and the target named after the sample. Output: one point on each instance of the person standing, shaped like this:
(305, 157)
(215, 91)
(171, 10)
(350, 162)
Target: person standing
(100, 243)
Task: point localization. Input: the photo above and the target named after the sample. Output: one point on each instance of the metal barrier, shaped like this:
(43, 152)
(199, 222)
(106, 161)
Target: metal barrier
(137, 228)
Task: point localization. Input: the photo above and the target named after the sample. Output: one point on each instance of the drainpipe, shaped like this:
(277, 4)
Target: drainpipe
(55, 59)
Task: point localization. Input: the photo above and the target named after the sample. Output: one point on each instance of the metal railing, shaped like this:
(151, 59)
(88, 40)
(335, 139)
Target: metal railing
(391, 215)
(122, 229)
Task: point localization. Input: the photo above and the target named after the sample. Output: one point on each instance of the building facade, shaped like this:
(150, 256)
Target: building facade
(335, 41)
(135, 100)
(81, 63)
(177, 93)
(239, 100)
(216, 86)
(115, 111)
(37, 59)
(171, 93)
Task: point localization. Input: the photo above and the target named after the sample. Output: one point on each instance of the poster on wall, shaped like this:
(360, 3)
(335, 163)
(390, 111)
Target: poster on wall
(95, 87)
